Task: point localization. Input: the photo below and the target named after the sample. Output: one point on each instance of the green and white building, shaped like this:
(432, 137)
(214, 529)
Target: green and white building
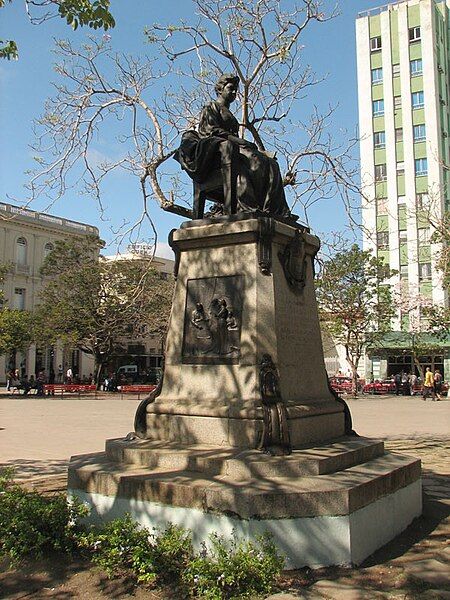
(403, 52)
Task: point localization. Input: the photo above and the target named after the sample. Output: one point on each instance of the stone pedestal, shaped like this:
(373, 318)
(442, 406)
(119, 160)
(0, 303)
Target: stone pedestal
(244, 369)
(212, 395)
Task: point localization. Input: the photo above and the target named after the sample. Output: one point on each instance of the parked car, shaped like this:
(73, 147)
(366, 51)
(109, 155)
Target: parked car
(343, 385)
(386, 386)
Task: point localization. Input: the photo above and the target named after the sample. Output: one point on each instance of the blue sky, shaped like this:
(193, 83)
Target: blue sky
(25, 85)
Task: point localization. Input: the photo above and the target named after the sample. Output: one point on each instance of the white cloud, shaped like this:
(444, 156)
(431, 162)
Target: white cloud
(163, 250)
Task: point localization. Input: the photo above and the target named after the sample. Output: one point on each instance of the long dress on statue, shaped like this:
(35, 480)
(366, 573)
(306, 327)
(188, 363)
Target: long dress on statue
(259, 181)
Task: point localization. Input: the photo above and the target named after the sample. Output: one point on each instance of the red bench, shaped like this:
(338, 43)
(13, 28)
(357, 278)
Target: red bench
(68, 388)
(137, 389)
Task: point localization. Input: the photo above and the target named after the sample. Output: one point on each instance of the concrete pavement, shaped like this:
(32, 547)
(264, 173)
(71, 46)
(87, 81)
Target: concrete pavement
(38, 435)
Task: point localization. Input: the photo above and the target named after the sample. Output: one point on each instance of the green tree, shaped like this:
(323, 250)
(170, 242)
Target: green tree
(354, 308)
(439, 316)
(16, 326)
(96, 305)
(93, 13)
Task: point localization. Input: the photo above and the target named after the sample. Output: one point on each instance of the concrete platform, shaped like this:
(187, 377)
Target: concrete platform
(348, 494)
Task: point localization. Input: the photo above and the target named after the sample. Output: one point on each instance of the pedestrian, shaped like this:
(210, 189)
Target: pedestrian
(413, 382)
(69, 375)
(60, 373)
(428, 385)
(397, 382)
(405, 384)
(40, 382)
(51, 381)
(437, 384)
(9, 380)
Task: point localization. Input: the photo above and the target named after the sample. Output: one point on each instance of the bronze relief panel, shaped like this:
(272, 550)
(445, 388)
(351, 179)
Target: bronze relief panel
(212, 320)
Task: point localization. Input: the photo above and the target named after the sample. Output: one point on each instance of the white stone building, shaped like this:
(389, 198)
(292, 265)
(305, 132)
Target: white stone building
(26, 237)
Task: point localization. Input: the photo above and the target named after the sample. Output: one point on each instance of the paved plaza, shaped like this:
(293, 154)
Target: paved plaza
(38, 435)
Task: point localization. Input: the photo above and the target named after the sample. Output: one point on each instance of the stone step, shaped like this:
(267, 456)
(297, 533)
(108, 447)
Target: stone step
(332, 494)
(327, 458)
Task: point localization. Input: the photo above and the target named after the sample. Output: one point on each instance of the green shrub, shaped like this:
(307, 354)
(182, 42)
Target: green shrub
(121, 545)
(31, 524)
(172, 552)
(238, 569)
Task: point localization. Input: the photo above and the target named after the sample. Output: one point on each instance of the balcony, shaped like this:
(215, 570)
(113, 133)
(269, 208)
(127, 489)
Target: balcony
(45, 219)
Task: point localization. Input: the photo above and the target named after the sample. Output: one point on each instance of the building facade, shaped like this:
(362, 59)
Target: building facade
(146, 353)
(403, 53)
(26, 237)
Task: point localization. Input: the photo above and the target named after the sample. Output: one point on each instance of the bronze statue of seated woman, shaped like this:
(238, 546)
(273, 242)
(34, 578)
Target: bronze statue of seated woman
(248, 180)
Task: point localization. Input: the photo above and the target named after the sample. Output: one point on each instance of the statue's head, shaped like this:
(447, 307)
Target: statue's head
(224, 80)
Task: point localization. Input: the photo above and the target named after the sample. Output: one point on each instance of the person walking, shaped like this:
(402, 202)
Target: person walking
(428, 385)
(437, 384)
(398, 383)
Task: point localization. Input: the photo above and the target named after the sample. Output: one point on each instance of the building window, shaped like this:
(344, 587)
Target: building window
(21, 250)
(399, 134)
(382, 206)
(403, 237)
(380, 172)
(396, 70)
(414, 34)
(417, 99)
(400, 168)
(378, 108)
(19, 298)
(419, 134)
(421, 166)
(397, 101)
(404, 272)
(424, 271)
(424, 235)
(422, 201)
(415, 67)
(379, 139)
(377, 76)
(375, 43)
(47, 249)
(382, 240)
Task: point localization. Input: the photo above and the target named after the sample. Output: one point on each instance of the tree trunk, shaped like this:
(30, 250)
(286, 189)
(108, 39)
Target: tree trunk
(98, 366)
(419, 366)
(354, 367)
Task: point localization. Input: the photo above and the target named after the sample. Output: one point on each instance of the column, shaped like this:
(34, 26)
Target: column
(31, 360)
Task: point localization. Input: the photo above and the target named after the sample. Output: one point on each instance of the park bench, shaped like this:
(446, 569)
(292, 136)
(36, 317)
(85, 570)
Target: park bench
(68, 388)
(137, 389)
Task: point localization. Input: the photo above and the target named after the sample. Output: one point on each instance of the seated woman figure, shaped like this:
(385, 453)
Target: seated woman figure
(259, 183)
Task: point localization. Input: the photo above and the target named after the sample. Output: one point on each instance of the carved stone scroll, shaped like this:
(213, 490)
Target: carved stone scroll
(275, 438)
(265, 235)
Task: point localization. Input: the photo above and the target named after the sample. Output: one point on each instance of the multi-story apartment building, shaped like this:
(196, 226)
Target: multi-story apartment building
(403, 52)
(26, 237)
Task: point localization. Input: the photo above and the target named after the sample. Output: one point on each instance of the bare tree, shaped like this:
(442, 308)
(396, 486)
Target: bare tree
(153, 99)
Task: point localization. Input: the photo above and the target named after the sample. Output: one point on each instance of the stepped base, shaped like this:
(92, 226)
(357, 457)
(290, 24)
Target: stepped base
(333, 504)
